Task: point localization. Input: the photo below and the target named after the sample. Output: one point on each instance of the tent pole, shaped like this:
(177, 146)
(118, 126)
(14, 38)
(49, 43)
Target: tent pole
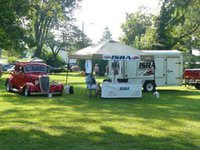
(154, 70)
(91, 80)
(67, 71)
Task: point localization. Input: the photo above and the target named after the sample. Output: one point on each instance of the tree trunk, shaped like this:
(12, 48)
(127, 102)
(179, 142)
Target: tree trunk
(38, 50)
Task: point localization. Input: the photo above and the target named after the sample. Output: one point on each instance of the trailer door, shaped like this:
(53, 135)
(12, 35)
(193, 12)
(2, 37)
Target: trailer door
(172, 71)
(160, 68)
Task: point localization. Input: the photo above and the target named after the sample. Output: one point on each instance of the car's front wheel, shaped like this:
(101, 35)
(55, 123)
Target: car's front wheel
(26, 91)
(197, 86)
(60, 94)
(8, 88)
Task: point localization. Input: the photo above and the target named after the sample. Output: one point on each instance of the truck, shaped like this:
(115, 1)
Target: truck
(192, 77)
(165, 69)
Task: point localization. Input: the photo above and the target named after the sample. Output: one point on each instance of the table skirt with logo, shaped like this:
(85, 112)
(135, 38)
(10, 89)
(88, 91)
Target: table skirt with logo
(121, 90)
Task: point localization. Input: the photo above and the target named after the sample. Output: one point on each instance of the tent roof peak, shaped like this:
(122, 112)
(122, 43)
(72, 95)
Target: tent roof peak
(109, 47)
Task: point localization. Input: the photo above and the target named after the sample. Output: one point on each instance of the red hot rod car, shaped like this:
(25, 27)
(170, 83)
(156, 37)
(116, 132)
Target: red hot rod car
(31, 78)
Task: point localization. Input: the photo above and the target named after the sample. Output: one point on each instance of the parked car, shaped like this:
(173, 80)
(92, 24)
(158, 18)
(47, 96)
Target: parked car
(31, 78)
(75, 68)
(192, 77)
(11, 69)
(5, 67)
(54, 69)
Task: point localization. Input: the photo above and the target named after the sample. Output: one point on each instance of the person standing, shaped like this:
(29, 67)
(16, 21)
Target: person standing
(96, 69)
(107, 69)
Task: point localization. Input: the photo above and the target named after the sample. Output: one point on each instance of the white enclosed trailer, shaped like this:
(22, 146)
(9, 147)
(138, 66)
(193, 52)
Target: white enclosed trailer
(168, 71)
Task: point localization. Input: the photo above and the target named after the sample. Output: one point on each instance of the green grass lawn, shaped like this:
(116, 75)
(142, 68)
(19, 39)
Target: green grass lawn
(78, 122)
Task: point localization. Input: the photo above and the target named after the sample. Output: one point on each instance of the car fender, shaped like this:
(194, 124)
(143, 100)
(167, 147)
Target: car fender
(61, 86)
(29, 85)
(9, 80)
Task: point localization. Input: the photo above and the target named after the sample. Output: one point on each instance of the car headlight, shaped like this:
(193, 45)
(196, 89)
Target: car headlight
(36, 82)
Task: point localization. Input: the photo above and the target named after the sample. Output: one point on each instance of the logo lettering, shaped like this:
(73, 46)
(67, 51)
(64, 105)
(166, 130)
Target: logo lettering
(120, 57)
(146, 65)
(124, 88)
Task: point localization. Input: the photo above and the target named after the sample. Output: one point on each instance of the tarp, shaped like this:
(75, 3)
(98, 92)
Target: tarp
(110, 47)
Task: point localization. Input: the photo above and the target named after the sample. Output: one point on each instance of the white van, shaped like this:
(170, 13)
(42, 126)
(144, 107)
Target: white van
(168, 69)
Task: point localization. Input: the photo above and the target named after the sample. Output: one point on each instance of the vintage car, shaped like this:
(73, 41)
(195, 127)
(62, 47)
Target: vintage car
(32, 78)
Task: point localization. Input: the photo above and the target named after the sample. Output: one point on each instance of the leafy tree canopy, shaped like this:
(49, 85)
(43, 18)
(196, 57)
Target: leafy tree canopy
(106, 34)
(13, 14)
(176, 27)
(177, 23)
(135, 26)
(47, 15)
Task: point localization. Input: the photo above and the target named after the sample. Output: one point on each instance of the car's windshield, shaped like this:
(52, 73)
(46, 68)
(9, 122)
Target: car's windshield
(35, 68)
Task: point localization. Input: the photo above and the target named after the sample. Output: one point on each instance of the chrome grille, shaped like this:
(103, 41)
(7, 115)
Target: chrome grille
(44, 84)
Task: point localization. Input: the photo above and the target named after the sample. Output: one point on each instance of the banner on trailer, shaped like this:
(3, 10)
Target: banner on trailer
(121, 57)
(146, 66)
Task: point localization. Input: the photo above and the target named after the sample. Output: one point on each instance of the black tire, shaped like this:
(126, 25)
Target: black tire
(26, 91)
(149, 86)
(197, 86)
(60, 94)
(8, 88)
(1, 73)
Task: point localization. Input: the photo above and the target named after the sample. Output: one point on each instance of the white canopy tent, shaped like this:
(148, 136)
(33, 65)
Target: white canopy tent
(107, 50)
(109, 47)
(112, 50)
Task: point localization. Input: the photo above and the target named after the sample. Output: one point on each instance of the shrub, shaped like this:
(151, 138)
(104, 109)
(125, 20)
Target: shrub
(12, 60)
(49, 59)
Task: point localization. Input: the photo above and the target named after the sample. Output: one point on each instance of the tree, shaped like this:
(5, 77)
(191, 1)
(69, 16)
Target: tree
(103, 63)
(78, 39)
(46, 15)
(135, 26)
(177, 23)
(106, 34)
(148, 40)
(67, 38)
(12, 16)
(56, 45)
(174, 28)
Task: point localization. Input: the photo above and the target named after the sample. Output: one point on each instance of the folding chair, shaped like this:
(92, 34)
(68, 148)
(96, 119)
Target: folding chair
(91, 86)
